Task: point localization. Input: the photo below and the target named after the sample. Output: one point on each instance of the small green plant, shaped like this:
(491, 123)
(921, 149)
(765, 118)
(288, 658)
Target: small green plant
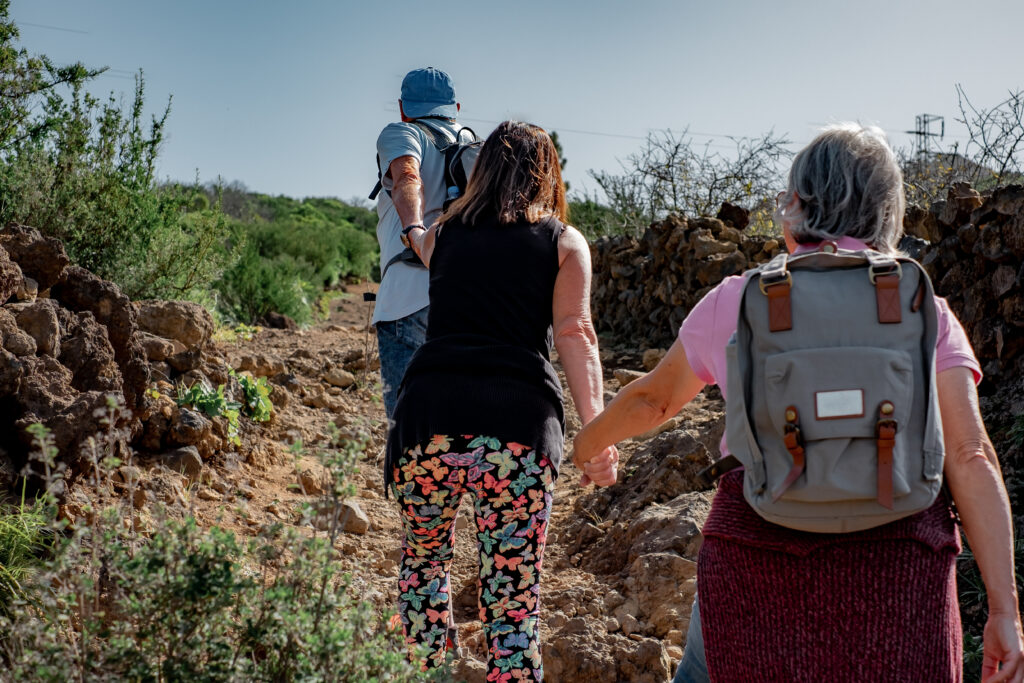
(236, 333)
(214, 404)
(246, 332)
(25, 537)
(185, 603)
(256, 397)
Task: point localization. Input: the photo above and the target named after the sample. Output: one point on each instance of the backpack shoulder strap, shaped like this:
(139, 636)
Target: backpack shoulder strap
(407, 256)
(438, 138)
(380, 184)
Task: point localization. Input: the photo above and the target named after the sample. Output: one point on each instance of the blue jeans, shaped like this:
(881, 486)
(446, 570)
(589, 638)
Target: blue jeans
(693, 668)
(397, 341)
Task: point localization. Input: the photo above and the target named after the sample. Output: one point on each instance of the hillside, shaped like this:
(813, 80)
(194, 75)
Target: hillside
(620, 564)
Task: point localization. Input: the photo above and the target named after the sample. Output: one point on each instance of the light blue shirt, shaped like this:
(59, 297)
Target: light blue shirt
(403, 290)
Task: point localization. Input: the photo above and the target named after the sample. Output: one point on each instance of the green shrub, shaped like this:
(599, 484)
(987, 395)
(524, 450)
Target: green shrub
(287, 260)
(974, 605)
(1016, 433)
(596, 220)
(181, 603)
(25, 537)
(214, 403)
(255, 286)
(84, 171)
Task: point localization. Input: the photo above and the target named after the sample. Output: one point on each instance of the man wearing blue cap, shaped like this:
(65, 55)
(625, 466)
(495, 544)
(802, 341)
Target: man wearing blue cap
(412, 176)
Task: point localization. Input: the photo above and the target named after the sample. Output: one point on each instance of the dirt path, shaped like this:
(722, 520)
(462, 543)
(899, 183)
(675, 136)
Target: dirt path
(307, 401)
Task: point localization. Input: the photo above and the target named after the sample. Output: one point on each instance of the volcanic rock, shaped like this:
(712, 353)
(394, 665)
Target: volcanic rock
(188, 322)
(41, 258)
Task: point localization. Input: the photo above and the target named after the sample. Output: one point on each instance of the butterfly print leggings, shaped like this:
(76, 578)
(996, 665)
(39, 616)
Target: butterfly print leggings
(511, 485)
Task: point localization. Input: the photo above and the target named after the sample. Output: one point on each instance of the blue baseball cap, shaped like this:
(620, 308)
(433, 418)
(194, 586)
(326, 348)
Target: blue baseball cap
(428, 92)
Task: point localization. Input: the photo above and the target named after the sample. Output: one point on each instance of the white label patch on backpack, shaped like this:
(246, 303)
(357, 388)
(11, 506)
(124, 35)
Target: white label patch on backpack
(835, 405)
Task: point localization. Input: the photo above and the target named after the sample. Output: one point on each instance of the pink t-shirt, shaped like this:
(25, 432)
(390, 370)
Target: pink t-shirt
(707, 329)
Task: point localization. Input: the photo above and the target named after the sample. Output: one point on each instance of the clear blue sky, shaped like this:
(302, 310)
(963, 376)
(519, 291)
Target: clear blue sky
(288, 98)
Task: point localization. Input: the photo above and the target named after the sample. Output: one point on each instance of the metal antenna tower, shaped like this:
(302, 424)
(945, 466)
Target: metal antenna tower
(923, 132)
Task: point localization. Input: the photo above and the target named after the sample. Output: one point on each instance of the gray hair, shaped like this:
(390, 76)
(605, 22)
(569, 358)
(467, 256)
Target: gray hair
(849, 185)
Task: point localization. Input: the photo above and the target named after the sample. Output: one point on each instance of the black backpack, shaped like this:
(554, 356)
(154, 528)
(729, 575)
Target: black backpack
(459, 157)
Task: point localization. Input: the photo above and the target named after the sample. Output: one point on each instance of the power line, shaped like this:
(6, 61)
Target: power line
(559, 129)
(887, 130)
(52, 28)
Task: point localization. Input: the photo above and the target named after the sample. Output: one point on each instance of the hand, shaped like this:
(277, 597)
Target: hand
(581, 451)
(602, 469)
(1004, 645)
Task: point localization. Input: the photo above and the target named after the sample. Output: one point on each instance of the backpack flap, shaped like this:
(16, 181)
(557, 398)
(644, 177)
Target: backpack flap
(834, 413)
(836, 393)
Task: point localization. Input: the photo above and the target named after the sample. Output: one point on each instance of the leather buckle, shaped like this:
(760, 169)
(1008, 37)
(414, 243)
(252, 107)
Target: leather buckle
(767, 281)
(894, 269)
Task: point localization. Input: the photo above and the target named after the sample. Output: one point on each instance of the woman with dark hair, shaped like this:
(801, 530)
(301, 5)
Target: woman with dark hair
(878, 604)
(480, 408)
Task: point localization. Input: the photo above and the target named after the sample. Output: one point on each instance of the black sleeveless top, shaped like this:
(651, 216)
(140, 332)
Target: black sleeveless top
(485, 367)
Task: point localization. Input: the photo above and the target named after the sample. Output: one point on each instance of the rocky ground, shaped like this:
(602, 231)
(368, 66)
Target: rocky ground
(619, 570)
(81, 359)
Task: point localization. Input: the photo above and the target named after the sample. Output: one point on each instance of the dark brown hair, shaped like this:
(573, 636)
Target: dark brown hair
(516, 177)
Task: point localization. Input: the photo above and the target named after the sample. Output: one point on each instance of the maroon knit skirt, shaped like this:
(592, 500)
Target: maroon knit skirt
(783, 605)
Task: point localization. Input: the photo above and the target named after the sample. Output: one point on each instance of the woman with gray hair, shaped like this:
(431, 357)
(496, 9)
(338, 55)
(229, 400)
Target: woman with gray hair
(878, 604)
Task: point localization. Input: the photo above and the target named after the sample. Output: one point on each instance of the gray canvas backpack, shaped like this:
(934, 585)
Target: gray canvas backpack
(832, 407)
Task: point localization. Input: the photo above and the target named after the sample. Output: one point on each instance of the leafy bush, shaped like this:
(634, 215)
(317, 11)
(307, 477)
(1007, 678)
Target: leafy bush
(255, 286)
(83, 172)
(588, 215)
(974, 605)
(1016, 433)
(183, 603)
(214, 403)
(287, 259)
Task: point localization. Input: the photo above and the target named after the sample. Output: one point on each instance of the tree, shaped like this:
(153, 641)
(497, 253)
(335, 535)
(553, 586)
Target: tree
(996, 136)
(671, 175)
(26, 83)
(83, 171)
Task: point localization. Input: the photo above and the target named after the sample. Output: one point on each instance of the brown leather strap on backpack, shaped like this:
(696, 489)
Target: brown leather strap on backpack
(780, 310)
(886, 437)
(887, 293)
(885, 274)
(794, 444)
(775, 281)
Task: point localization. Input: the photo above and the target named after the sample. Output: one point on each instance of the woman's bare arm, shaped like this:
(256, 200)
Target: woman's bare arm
(974, 477)
(422, 242)
(641, 405)
(575, 338)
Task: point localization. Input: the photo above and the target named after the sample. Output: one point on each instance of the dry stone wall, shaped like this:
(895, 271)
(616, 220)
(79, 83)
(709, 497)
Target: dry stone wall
(972, 246)
(975, 258)
(643, 288)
